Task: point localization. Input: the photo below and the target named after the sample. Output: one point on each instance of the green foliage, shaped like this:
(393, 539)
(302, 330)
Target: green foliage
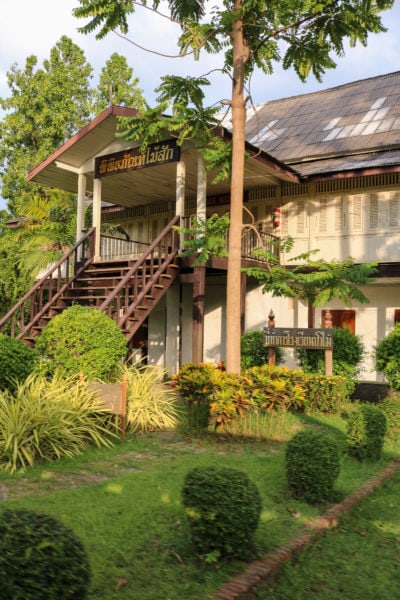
(195, 384)
(117, 85)
(387, 357)
(253, 353)
(17, 361)
(325, 393)
(82, 339)
(151, 402)
(215, 397)
(40, 558)
(315, 281)
(223, 507)
(205, 237)
(47, 419)
(312, 465)
(348, 351)
(390, 406)
(366, 429)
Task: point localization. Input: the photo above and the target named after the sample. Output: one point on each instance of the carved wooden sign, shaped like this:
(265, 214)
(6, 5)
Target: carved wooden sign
(133, 159)
(291, 337)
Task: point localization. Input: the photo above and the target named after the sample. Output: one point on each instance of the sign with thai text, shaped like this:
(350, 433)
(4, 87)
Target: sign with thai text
(132, 159)
(290, 337)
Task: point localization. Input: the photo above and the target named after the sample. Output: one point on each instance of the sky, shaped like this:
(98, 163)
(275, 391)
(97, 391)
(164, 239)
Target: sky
(33, 27)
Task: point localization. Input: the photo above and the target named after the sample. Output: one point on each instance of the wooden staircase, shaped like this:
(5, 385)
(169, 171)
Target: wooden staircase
(127, 291)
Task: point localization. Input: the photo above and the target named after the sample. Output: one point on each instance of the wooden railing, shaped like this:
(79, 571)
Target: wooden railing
(19, 321)
(251, 241)
(143, 274)
(112, 248)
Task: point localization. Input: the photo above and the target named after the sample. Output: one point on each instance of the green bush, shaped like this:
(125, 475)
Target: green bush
(82, 339)
(223, 508)
(348, 351)
(366, 429)
(390, 406)
(195, 384)
(48, 419)
(40, 559)
(312, 465)
(17, 361)
(253, 353)
(325, 393)
(387, 357)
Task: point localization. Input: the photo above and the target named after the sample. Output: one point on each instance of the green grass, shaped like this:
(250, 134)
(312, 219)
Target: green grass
(124, 503)
(356, 561)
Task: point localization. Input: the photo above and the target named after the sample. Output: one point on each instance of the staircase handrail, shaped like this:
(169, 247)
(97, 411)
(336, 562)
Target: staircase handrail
(41, 284)
(137, 264)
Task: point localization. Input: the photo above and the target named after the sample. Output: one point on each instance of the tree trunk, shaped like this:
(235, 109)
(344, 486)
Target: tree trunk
(238, 105)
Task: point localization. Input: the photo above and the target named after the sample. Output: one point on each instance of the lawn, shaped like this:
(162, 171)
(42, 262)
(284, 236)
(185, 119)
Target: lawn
(125, 505)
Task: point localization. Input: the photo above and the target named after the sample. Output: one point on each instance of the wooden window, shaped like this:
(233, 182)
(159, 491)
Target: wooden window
(397, 315)
(342, 318)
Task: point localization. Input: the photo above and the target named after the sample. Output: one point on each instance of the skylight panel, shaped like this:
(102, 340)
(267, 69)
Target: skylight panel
(332, 123)
(378, 103)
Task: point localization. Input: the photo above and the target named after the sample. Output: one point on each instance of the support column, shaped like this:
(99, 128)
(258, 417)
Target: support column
(180, 195)
(80, 209)
(96, 218)
(199, 285)
(243, 290)
(201, 189)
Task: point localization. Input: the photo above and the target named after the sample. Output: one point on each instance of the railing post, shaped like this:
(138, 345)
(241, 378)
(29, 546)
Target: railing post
(271, 351)
(328, 353)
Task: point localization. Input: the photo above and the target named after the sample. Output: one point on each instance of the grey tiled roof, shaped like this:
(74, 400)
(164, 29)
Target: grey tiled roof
(352, 126)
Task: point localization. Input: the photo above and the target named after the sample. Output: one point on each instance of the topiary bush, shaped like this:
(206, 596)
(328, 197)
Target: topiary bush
(40, 559)
(312, 465)
(366, 429)
(223, 507)
(390, 407)
(17, 361)
(253, 353)
(387, 357)
(348, 351)
(82, 339)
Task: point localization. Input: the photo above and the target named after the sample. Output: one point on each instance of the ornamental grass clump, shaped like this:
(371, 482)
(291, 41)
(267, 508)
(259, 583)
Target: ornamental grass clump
(223, 508)
(366, 429)
(152, 404)
(40, 559)
(312, 465)
(47, 419)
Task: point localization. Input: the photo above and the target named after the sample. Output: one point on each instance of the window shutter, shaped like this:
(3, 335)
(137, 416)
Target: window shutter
(355, 214)
(300, 216)
(339, 216)
(394, 210)
(373, 211)
(323, 215)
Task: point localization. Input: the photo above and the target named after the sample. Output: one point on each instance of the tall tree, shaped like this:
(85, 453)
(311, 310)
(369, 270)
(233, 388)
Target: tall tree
(302, 34)
(117, 85)
(46, 106)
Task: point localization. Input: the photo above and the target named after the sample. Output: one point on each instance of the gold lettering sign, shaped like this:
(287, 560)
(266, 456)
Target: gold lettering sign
(132, 159)
(319, 339)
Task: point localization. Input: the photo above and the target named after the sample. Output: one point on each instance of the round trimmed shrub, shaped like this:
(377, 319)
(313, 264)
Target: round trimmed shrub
(82, 339)
(312, 465)
(40, 559)
(223, 507)
(17, 361)
(387, 357)
(253, 353)
(366, 430)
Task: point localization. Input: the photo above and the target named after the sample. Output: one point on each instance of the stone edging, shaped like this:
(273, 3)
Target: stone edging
(260, 570)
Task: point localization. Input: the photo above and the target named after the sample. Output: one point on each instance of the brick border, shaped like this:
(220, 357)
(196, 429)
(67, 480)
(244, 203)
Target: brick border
(262, 569)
